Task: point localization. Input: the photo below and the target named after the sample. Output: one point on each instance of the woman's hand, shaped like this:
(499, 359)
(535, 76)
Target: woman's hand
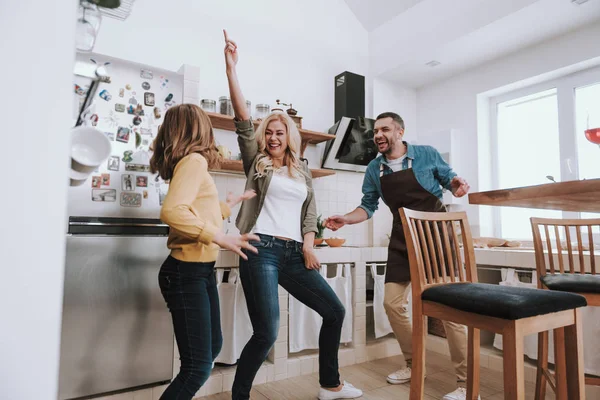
(236, 243)
(310, 258)
(231, 54)
(232, 200)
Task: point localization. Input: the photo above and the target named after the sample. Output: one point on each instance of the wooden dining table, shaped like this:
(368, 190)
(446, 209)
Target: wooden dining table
(579, 196)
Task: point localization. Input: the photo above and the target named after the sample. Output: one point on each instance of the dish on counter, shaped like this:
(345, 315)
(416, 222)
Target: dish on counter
(335, 241)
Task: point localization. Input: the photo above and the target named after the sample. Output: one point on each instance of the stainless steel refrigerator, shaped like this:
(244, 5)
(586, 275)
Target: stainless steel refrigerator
(116, 329)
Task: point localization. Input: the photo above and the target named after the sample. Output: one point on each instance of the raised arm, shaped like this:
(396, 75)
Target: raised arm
(235, 91)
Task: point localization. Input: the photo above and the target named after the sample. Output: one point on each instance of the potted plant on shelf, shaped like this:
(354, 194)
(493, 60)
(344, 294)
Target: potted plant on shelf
(320, 229)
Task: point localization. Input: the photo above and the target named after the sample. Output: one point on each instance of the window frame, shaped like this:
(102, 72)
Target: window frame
(565, 94)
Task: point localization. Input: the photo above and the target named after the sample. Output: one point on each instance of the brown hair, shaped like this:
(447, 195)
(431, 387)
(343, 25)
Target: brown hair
(186, 129)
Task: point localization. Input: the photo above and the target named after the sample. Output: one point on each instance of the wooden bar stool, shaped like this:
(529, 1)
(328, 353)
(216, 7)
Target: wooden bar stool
(443, 288)
(580, 277)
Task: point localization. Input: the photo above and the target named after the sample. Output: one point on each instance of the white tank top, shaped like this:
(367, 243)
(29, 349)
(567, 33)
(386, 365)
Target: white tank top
(282, 209)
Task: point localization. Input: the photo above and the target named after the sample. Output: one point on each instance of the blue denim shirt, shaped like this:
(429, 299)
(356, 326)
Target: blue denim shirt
(430, 169)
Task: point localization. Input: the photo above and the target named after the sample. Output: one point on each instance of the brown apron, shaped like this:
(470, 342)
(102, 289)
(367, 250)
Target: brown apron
(401, 189)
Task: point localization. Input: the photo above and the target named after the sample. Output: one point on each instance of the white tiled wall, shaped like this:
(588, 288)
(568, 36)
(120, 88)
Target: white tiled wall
(336, 194)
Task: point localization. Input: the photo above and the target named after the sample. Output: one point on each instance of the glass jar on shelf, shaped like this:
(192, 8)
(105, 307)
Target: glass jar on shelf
(262, 111)
(225, 106)
(208, 105)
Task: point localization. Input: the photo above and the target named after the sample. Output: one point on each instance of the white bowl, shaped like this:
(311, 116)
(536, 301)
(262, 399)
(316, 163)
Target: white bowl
(89, 149)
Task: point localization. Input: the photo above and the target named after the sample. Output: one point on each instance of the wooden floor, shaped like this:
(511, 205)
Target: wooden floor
(370, 377)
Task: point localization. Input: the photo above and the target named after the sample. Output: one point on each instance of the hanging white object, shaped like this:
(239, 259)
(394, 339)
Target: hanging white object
(305, 324)
(380, 319)
(235, 321)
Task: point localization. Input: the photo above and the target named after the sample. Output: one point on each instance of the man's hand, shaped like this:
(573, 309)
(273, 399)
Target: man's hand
(310, 258)
(335, 222)
(232, 200)
(231, 54)
(460, 187)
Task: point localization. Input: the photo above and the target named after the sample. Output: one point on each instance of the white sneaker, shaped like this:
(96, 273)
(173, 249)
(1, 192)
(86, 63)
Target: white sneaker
(459, 394)
(399, 377)
(348, 392)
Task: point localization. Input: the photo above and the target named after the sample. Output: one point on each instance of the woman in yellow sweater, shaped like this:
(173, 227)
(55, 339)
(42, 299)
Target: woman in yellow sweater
(184, 151)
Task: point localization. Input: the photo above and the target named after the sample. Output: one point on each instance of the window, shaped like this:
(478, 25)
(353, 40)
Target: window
(538, 135)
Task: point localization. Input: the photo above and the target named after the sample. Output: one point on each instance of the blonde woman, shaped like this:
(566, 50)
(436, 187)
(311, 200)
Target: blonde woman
(283, 215)
(184, 151)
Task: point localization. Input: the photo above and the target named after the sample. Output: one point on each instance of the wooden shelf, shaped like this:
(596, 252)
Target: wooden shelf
(580, 196)
(236, 167)
(220, 121)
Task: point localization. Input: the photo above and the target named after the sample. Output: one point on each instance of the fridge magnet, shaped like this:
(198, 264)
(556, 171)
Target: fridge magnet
(127, 157)
(121, 92)
(149, 99)
(169, 97)
(157, 113)
(112, 119)
(94, 119)
(80, 90)
(141, 181)
(119, 107)
(113, 163)
(96, 181)
(131, 199)
(146, 131)
(145, 194)
(164, 82)
(137, 168)
(123, 134)
(145, 86)
(107, 195)
(127, 182)
(139, 110)
(138, 139)
(146, 74)
(145, 142)
(134, 93)
(169, 104)
(137, 120)
(110, 135)
(131, 110)
(128, 86)
(133, 101)
(104, 94)
(105, 179)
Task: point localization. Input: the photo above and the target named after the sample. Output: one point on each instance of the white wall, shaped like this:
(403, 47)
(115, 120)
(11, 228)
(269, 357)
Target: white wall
(37, 53)
(453, 103)
(288, 51)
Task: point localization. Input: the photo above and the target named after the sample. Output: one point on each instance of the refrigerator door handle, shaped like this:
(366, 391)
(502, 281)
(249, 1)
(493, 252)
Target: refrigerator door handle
(117, 224)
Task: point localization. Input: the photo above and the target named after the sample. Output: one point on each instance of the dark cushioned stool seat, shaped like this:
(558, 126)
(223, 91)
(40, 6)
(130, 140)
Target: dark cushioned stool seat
(504, 302)
(582, 283)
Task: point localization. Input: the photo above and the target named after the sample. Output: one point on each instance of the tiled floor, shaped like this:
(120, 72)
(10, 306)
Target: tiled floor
(370, 377)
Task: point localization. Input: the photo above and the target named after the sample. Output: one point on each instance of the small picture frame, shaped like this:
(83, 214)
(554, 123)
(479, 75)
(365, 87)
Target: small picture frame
(141, 181)
(113, 163)
(149, 99)
(123, 134)
(127, 183)
(104, 195)
(96, 182)
(105, 179)
(131, 199)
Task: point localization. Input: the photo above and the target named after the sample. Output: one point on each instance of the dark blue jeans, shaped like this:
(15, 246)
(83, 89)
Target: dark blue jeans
(190, 290)
(282, 262)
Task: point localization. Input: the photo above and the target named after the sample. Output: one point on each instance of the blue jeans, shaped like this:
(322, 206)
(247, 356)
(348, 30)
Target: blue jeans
(282, 261)
(190, 290)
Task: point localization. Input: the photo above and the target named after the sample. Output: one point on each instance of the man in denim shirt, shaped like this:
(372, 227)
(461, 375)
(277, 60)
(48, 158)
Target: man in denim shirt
(408, 176)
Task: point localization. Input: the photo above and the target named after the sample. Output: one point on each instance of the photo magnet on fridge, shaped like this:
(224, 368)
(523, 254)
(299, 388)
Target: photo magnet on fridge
(131, 199)
(108, 195)
(113, 163)
(127, 182)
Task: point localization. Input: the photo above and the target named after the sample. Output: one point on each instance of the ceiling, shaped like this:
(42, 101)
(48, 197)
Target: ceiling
(373, 13)
(404, 35)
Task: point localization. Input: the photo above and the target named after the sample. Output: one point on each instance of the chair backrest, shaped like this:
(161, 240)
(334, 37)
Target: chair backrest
(560, 242)
(433, 248)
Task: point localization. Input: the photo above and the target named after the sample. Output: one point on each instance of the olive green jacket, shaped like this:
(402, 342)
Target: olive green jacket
(250, 209)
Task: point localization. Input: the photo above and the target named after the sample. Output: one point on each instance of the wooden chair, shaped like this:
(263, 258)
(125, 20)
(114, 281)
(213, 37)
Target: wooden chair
(580, 277)
(443, 288)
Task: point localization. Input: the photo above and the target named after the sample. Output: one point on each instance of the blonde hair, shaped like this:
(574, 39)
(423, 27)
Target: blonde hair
(291, 158)
(186, 129)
